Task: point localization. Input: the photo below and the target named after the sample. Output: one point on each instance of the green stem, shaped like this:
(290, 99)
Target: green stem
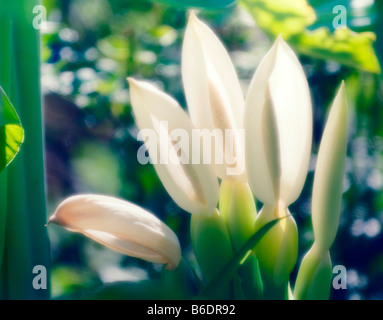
(273, 291)
(26, 237)
(27, 43)
(252, 281)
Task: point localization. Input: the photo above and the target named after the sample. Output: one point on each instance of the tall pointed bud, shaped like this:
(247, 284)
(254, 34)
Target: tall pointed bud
(214, 97)
(329, 173)
(314, 276)
(237, 207)
(120, 226)
(278, 124)
(168, 129)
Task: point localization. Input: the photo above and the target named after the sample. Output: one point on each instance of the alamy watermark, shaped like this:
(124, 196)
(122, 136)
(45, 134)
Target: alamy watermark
(39, 281)
(202, 146)
(340, 279)
(340, 20)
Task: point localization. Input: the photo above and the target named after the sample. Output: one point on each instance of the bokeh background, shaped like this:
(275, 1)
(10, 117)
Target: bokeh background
(91, 46)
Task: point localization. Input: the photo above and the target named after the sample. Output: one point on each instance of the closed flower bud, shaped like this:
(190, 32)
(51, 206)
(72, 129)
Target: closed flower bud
(214, 96)
(329, 173)
(120, 226)
(193, 186)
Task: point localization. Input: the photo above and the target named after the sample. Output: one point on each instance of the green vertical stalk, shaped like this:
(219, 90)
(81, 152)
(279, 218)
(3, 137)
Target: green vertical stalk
(5, 79)
(18, 246)
(237, 206)
(3, 210)
(379, 31)
(26, 237)
(28, 57)
(18, 250)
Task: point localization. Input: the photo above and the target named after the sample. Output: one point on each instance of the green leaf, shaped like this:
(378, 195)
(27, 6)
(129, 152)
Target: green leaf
(205, 4)
(283, 17)
(11, 131)
(314, 276)
(216, 286)
(292, 19)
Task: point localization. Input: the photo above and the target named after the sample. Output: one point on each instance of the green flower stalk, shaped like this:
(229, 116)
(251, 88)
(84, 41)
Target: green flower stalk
(314, 277)
(237, 207)
(26, 241)
(278, 124)
(211, 245)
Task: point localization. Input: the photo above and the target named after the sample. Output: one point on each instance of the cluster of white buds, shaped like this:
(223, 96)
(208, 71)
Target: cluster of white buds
(267, 156)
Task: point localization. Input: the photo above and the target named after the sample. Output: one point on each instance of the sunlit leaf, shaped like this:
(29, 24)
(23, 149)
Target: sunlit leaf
(292, 19)
(343, 46)
(283, 17)
(11, 131)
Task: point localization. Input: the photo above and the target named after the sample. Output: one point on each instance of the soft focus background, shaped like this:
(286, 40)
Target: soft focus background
(91, 46)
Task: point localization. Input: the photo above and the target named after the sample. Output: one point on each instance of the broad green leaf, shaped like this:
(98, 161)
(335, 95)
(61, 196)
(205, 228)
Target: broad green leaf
(11, 131)
(205, 4)
(283, 17)
(216, 286)
(343, 46)
(292, 19)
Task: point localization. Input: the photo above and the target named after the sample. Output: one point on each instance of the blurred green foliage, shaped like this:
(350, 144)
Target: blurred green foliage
(91, 46)
(205, 4)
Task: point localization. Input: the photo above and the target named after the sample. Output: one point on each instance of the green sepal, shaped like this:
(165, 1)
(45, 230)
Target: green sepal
(211, 243)
(237, 207)
(276, 252)
(314, 276)
(250, 274)
(216, 286)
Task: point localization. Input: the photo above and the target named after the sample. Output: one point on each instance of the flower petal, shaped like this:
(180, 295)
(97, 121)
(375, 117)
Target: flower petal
(191, 183)
(212, 89)
(120, 226)
(329, 172)
(280, 86)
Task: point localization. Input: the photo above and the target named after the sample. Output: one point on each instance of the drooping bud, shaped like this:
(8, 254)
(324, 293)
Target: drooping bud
(120, 226)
